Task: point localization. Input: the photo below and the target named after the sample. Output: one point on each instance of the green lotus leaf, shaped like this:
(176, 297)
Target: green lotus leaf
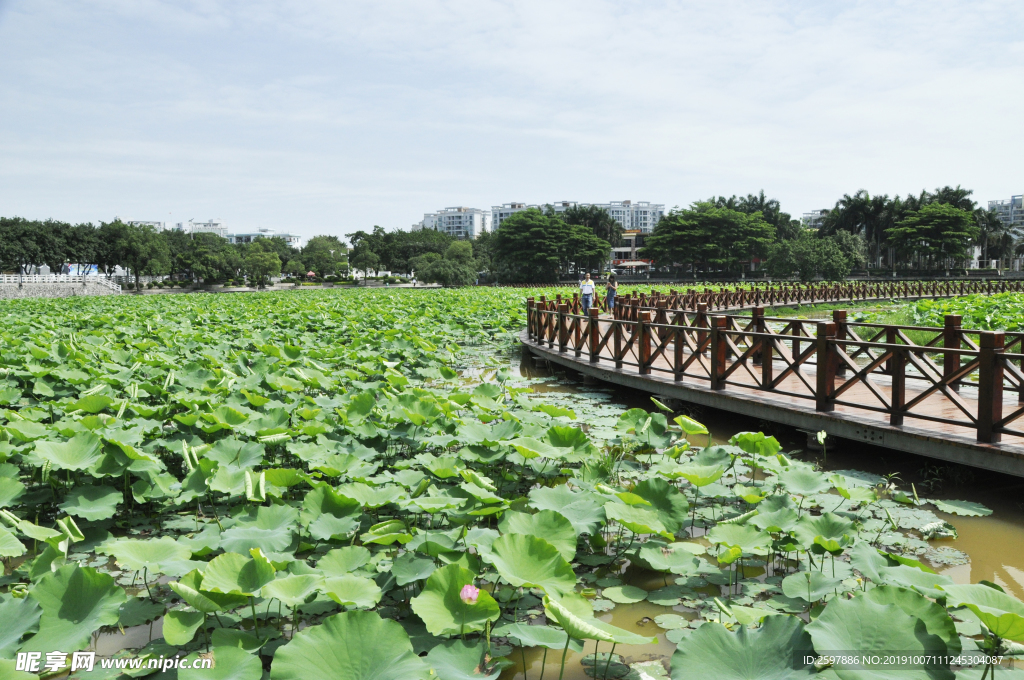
(272, 530)
(804, 481)
(637, 519)
(293, 589)
(352, 591)
(810, 585)
(576, 617)
(829, 526)
(341, 561)
(582, 509)
(749, 538)
(526, 560)
(964, 508)
(442, 608)
(678, 558)
(409, 568)
(328, 513)
(76, 601)
(772, 652)
(239, 639)
(465, 660)
(139, 554)
(229, 663)
(27, 430)
(552, 526)
(689, 425)
(781, 520)
(92, 502)
(139, 610)
(10, 491)
(666, 500)
(10, 546)
(20, 617)
(189, 589)
(756, 443)
(537, 636)
(233, 573)
(1001, 613)
(371, 496)
(8, 671)
(936, 620)
(866, 626)
(77, 453)
(528, 448)
(350, 646)
(624, 594)
(180, 626)
(94, 403)
(700, 475)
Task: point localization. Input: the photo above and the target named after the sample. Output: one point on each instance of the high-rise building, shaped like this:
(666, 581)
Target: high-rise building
(641, 216)
(813, 219)
(294, 240)
(158, 226)
(1011, 212)
(460, 222)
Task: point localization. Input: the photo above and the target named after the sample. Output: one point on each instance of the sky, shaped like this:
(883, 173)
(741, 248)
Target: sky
(325, 117)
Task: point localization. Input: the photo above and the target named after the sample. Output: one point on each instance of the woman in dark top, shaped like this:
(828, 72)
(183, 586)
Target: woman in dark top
(610, 290)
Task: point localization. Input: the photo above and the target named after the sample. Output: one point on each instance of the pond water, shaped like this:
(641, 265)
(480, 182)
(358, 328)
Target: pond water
(995, 544)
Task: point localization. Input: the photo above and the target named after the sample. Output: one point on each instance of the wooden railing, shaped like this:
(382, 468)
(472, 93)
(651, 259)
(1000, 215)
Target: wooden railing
(629, 304)
(900, 372)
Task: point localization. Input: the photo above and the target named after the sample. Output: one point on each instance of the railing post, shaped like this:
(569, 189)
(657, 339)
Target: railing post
(757, 325)
(575, 308)
(530, 333)
(718, 345)
(827, 362)
(767, 351)
(594, 335)
(990, 385)
(702, 322)
(617, 338)
(643, 336)
(577, 332)
(890, 338)
(951, 335)
(563, 328)
(677, 348)
(839, 319)
(898, 368)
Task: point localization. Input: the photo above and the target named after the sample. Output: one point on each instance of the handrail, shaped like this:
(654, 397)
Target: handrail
(952, 379)
(59, 278)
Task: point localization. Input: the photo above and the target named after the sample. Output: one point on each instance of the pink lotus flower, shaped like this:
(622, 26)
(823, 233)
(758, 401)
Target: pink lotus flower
(469, 594)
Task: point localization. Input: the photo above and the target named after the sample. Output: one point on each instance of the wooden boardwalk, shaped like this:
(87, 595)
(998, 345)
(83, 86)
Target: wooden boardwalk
(953, 394)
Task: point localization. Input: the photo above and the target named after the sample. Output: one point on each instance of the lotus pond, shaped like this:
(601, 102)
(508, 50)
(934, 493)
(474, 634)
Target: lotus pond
(359, 485)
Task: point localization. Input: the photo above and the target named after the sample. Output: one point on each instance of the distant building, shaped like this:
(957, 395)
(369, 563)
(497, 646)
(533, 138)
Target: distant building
(1011, 212)
(157, 226)
(460, 222)
(813, 219)
(625, 252)
(293, 240)
(641, 215)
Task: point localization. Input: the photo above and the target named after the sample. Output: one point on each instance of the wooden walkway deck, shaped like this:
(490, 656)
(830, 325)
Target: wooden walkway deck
(955, 396)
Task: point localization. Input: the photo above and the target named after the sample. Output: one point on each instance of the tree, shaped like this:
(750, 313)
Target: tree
(597, 221)
(364, 259)
(325, 255)
(528, 246)
(938, 233)
(18, 247)
(811, 255)
(295, 267)
(261, 263)
(721, 238)
(419, 264)
(769, 208)
(457, 268)
(140, 250)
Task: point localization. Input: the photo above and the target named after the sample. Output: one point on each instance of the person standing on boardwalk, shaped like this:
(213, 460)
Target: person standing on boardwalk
(610, 290)
(587, 293)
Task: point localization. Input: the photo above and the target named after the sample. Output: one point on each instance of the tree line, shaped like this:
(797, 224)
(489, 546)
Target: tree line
(141, 250)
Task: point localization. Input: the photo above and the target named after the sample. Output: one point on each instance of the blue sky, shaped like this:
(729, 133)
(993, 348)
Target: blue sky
(327, 117)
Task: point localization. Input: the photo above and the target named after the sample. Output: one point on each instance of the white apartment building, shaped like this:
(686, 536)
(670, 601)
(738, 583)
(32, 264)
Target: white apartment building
(641, 215)
(1011, 212)
(158, 226)
(813, 219)
(294, 240)
(460, 222)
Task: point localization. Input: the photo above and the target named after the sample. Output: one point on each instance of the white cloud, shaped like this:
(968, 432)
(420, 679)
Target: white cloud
(325, 115)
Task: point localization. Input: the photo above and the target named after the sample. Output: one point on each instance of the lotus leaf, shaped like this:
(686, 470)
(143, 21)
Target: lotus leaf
(581, 509)
(965, 508)
(526, 560)
(444, 611)
(1002, 614)
(352, 591)
(866, 626)
(137, 554)
(20, 617)
(92, 502)
(772, 652)
(234, 573)
(78, 453)
(293, 589)
(229, 663)
(549, 525)
(343, 560)
(636, 519)
(75, 601)
(465, 660)
(10, 491)
(180, 626)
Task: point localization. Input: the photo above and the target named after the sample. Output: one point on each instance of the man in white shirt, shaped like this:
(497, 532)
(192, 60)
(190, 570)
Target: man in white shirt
(586, 293)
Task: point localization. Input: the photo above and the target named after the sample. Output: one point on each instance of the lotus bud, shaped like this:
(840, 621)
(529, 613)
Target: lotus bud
(469, 593)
